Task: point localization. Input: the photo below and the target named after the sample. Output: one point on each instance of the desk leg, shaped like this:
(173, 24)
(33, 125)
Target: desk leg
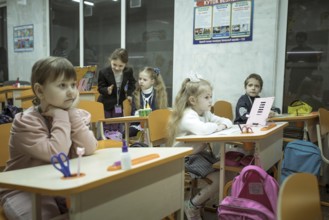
(127, 124)
(221, 171)
(36, 206)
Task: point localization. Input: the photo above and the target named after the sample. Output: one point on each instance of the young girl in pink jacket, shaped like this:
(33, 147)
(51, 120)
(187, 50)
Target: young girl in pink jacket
(51, 126)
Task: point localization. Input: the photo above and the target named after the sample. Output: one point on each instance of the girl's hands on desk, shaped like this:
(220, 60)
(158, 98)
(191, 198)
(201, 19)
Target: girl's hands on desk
(221, 127)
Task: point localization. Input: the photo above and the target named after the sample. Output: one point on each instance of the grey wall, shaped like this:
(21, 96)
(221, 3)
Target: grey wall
(227, 65)
(34, 12)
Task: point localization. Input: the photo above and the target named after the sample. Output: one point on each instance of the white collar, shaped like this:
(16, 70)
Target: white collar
(148, 91)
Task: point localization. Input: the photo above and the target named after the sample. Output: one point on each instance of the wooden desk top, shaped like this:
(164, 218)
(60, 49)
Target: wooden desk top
(234, 134)
(47, 180)
(31, 96)
(4, 89)
(125, 119)
(288, 117)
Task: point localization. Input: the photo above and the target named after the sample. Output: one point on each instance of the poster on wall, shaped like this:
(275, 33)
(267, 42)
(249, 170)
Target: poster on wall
(222, 21)
(23, 38)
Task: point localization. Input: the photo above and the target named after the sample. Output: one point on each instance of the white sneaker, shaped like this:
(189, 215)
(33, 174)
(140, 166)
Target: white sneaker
(192, 212)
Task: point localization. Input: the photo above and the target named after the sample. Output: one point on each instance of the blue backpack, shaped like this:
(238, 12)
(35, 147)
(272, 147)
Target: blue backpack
(300, 157)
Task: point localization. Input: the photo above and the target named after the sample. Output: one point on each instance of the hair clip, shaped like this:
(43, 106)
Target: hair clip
(195, 77)
(156, 70)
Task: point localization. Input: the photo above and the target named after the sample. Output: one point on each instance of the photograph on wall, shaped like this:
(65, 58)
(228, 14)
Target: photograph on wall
(222, 21)
(23, 38)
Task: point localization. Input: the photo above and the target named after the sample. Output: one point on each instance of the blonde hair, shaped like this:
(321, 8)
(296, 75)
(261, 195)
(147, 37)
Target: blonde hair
(161, 101)
(189, 88)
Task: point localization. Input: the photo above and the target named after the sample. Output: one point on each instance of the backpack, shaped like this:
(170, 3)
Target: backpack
(254, 196)
(300, 156)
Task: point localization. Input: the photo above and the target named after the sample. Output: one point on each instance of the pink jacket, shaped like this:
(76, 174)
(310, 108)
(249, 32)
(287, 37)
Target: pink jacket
(34, 139)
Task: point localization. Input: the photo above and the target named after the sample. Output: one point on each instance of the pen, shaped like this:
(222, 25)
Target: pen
(240, 127)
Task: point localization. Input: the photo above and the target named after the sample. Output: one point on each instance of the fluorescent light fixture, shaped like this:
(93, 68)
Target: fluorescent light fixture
(85, 2)
(304, 52)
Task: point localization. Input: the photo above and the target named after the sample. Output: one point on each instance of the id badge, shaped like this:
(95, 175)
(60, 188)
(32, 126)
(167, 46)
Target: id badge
(118, 109)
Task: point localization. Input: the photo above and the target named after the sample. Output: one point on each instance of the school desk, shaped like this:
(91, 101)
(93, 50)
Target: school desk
(16, 92)
(268, 145)
(126, 120)
(309, 120)
(150, 190)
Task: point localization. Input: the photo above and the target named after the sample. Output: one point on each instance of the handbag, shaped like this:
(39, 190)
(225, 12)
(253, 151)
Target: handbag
(200, 164)
(298, 107)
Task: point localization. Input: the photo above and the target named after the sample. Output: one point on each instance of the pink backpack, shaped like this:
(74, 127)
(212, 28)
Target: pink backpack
(254, 196)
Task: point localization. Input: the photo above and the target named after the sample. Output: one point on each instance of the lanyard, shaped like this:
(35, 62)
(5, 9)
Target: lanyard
(118, 95)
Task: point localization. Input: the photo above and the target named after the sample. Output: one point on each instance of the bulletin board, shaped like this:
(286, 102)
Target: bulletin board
(23, 38)
(222, 21)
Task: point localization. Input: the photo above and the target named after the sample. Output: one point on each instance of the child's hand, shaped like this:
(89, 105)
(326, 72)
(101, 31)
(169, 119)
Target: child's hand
(110, 89)
(130, 98)
(272, 114)
(76, 101)
(221, 127)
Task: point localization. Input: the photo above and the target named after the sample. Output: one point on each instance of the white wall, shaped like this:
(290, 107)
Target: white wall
(227, 65)
(34, 12)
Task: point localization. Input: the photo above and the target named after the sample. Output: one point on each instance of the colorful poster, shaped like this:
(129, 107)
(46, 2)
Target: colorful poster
(222, 21)
(23, 38)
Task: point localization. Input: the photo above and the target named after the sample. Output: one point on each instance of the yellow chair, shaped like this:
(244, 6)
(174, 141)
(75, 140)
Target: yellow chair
(223, 109)
(322, 130)
(157, 126)
(299, 198)
(4, 143)
(27, 102)
(126, 105)
(96, 110)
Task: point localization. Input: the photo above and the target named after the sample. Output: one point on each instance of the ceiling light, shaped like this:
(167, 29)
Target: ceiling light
(85, 2)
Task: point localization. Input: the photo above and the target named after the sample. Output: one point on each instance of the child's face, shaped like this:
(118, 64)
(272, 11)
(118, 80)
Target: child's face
(60, 93)
(203, 102)
(145, 81)
(117, 66)
(253, 87)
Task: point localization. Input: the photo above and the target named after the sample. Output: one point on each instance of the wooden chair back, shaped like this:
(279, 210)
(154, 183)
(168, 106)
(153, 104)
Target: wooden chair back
(324, 121)
(223, 109)
(157, 124)
(322, 130)
(126, 105)
(25, 104)
(96, 110)
(299, 198)
(4, 143)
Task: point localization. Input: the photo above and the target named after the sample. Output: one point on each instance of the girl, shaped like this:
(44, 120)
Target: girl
(115, 84)
(150, 91)
(191, 115)
(51, 126)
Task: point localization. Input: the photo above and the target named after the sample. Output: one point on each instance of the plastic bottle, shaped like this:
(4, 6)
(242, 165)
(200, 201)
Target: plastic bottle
(125, 157)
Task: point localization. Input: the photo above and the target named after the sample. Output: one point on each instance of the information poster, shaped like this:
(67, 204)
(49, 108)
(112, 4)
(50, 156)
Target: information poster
(23, 38)
(222, 21)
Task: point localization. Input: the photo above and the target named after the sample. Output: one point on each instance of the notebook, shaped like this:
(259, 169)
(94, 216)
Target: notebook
(260, 111)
